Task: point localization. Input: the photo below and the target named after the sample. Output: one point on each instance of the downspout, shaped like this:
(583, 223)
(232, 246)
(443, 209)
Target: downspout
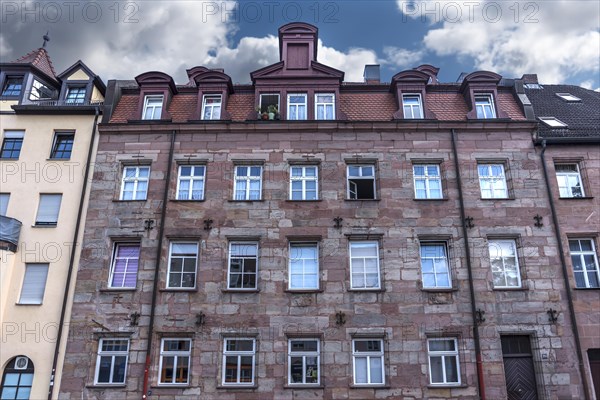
(74, 247)
(565, 274)
(476, 339)
(161, 232)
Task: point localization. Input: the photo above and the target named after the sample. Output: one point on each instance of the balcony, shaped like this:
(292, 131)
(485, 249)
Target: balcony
(10, 230)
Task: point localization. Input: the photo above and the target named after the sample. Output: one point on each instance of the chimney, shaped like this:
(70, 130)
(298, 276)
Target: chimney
(529, 78)
(371, 73)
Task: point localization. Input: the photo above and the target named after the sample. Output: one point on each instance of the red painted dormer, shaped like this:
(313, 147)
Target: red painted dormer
(480, 90)
(214, 88)
(299, 87)
(409, 88)
(156, 91)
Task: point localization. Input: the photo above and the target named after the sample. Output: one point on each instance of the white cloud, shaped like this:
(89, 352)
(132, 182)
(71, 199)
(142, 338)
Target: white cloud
(401, 58)
(352, 63)
(555, 39)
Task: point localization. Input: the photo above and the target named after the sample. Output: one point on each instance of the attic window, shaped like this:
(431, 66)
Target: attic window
(533, 86)
(484, 106)
(553, 122)
(568, 97)
(13, 85)
(76, 95)
(39, 91)
(267, 100)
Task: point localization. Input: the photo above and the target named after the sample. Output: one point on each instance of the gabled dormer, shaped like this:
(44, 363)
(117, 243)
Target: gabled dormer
(156, 91)
(480, 90)
(214, 88)
(409, 88)
(297, 87)
(80, 86)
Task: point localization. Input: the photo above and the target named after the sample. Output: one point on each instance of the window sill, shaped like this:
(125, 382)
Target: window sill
(171, 386)
(187, 201)
(586, 288)
(576, 198)
(28, 304)
(303, 201)
(303, 386)
(244, 201)
(168, 289)
(107, 289)
(375, 290)
(448, 386)
(238, 387)
(370, 386)
(240, 290)
(446, 290)
(58, 159)
(44, 226)
(442, 199)
(497, 198)
(303, 291)
(9, 158)
(105, 386)
(357, 200)
(510, 289)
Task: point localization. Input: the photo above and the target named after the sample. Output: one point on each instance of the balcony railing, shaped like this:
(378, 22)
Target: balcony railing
(63, 103)
(10, 230)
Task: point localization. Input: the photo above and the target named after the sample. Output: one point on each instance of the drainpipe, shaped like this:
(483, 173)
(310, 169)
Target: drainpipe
(74, 247)
(565, 274)
(161, 231)
(476, 339)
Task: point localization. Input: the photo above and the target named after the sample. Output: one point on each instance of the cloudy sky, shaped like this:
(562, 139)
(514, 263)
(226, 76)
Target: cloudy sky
(558, 40)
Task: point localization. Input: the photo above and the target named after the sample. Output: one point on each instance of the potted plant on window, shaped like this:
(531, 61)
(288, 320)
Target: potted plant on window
(272, 109)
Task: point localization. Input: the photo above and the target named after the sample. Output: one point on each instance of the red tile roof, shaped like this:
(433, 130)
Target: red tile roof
(183, 106)
(125, 109)
(447, 106)
(40, 59)
(508, 104)
(368, 106)
(240, 106)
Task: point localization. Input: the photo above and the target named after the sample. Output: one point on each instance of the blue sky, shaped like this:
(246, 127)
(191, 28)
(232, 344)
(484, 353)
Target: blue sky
(559, 40)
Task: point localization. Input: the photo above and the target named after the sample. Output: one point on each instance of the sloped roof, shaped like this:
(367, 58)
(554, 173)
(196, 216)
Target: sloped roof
(41, 60)
(582, 117)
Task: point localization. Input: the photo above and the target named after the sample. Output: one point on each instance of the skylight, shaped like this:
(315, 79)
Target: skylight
(553, 122)
(568, 97)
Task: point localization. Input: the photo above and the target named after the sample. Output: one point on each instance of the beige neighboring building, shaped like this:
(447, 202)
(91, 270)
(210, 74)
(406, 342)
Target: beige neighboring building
(48, 130)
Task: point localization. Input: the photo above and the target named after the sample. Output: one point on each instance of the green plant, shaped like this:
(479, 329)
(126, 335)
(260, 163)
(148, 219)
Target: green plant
(272, 108)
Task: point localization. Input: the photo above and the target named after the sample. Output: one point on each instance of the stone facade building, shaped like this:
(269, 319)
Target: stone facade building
(303, 237)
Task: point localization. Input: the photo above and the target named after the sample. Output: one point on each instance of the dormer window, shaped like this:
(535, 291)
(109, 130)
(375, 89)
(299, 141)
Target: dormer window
(484, 106)
(269, 102)
(325, 106)
(211, 107)
(553, 122)
(296, 106)
(39, 91)
(568, 97)
(13, 86)
(412, 106)
(75, 95)
(152, 107)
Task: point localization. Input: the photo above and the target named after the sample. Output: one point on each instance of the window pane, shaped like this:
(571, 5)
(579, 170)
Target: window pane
(451, 369)
(360, 370)
(34, 284)
(437, 374)
(376, 370)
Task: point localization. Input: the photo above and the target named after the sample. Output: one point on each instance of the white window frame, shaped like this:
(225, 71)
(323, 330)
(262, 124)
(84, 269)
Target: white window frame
(493, 180)
(580, 254)
(480, 106)
(191, 179)
(303, 179)
(151, 104)
(435, 272)
(4, 200)
(37, 92)
(34, 290)
(553, 122)
(242, 273)
(136, 179)
(361, 177)
(112, 354)
(305, 261)
(325, 106)
(46, 216)
(297, 106)
(567, 176)
(304, 355)
(113, 264)
(427, 179)
(443, 355)
(364, 243)
(184, 258)
(368, 355)
(411, 106)
(212, 106)
(568, 97)
(496, 248)
(239, 354)
(248, 178)
(176, 354)
(266, 106)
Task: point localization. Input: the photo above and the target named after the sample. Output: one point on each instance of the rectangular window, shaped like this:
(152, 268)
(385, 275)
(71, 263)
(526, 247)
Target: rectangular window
(211, 107)
(190, 184)
(153, 106)
(444, 368)
(364, 265)
(484, 106)
(4, 197)
(243, 266)
(304, 358)
(553, 122)
(183, 258)
(434, 266)
(12, 86)
(585, 263)
(48, 209)
(238, 361)
(428, 181)
(412, 106)
(134, 185)
(63, 145)
(304, 182)
(248, 182)
(361, 182)
(325, 106)
(11, 144)
(296, 106)
(367, 358)
(304, 266)
(124, 266)
(34, 284)
(39, 91)
(75, 95)
(569, 180)
(111, 362)
(505, 264)
(269, 103)
(174, 368)
(492, 181)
